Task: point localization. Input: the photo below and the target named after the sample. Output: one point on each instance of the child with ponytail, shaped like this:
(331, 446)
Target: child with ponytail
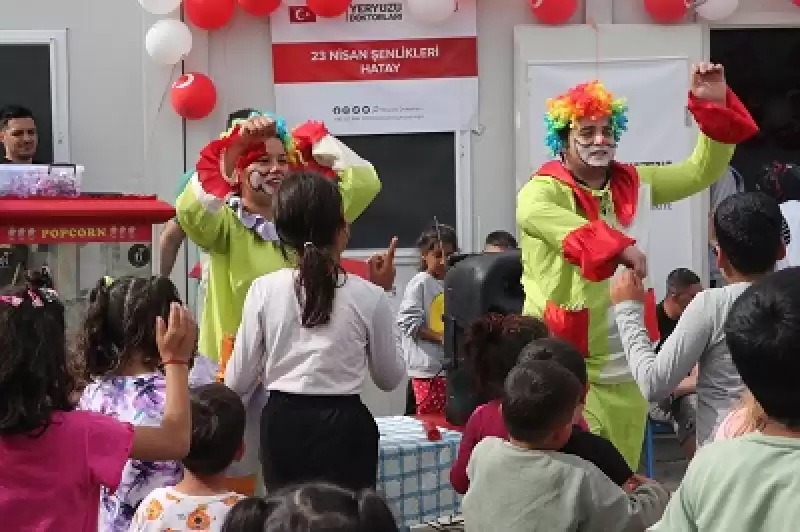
(311, 334)
(122, 364)
(312, 508)
(53, 459)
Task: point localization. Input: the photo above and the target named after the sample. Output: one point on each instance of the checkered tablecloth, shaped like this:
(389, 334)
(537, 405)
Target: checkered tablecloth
(414, 473)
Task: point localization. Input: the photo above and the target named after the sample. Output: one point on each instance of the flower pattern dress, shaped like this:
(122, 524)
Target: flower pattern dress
(167, 510)
(139, 401)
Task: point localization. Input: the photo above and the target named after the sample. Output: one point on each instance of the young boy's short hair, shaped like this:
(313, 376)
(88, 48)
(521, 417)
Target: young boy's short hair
(763, 334)
(748, 230)
(500, 239)
(540, 397)
(558, 351)
(218, 421)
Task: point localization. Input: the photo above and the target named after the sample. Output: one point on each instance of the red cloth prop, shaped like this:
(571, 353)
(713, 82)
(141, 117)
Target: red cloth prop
(728, 124)
(305, 136)
(569, 325)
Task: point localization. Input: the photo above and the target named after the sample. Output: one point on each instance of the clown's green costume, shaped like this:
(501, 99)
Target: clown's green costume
(243, 246)
(572, 236)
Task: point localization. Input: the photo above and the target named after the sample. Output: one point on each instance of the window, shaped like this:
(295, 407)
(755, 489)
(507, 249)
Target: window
(757, 68)
(418, 172)
(34, 64)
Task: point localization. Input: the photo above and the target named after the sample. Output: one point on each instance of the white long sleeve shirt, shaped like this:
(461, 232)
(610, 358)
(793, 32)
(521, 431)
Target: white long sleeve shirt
(330, 359)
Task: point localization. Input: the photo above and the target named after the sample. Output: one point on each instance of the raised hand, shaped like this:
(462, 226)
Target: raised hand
(707, 82)
(255, 130)
(177, 338)
(381, 267)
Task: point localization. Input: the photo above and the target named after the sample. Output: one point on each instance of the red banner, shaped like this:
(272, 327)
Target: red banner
(319, 62)
(75, 234)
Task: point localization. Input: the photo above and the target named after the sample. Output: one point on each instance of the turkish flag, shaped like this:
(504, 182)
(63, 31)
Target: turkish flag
(301, 14)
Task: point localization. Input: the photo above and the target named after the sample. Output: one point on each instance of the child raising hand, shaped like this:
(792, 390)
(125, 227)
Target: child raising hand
(53, 459)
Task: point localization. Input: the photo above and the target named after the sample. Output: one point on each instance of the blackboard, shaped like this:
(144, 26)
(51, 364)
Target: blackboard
(418, 172)
(26, 68)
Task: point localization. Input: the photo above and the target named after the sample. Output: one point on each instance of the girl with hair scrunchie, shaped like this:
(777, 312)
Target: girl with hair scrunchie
(227, 209)
(120, 360)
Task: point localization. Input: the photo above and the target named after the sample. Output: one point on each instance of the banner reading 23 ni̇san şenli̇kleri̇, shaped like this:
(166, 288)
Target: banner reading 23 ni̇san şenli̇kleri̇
(376, 69)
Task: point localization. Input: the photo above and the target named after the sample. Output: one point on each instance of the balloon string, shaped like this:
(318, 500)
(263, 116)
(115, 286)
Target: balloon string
(590, 21)
(151, 135)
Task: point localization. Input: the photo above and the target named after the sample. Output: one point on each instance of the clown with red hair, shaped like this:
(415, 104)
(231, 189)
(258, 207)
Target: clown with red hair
(226, 209)
(583, 217)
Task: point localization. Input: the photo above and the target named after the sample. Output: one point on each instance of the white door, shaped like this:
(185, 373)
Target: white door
(648, 66)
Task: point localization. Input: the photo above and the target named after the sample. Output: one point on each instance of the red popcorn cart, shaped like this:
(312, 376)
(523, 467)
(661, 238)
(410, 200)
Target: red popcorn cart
(78, 240)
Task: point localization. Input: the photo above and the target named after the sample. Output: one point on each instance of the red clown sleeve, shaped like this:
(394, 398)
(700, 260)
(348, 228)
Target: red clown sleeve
(728, 124)
(594, 247)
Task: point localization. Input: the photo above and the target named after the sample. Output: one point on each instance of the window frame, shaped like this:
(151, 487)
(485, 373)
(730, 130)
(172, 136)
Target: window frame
(56, 40)
(462, 151)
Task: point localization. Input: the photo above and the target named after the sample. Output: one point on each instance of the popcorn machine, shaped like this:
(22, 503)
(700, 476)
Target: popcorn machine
(79, 239)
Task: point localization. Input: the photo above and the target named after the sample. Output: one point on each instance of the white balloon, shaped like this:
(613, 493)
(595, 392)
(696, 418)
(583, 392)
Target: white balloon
(160, 7)
(717, 9)
(168, 41)
(433, 11)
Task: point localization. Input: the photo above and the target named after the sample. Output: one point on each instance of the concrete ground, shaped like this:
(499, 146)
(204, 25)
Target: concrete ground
(670, 462)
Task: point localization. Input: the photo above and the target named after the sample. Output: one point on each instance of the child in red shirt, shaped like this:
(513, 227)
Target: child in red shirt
(494, 346)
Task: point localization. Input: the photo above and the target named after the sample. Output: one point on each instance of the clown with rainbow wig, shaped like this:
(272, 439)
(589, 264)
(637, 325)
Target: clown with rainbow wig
(226, 209)
(583, 217)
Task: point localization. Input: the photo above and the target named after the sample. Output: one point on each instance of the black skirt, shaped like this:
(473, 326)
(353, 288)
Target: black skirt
(306, 438)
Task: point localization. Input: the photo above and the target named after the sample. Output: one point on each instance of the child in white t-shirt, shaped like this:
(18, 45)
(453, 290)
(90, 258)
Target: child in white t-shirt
(200, 501)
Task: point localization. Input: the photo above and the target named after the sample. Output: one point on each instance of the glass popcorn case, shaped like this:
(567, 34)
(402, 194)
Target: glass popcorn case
(79, 240)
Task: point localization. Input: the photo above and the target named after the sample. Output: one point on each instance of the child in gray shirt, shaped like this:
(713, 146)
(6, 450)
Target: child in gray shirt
(746, 238)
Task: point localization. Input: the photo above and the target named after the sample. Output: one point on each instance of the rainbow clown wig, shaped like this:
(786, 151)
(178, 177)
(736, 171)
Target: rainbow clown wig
(588, 100)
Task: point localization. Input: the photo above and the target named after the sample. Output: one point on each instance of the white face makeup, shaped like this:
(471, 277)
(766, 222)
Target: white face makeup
(266, 174)
(596, 155)
(594, 142)
(267, 183)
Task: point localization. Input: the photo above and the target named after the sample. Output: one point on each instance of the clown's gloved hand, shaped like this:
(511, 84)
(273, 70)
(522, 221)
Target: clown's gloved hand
(315, 143)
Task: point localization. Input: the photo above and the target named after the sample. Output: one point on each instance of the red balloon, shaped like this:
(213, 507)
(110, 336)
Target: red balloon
(193, 96)
(209, 14)
(796, 2)
(328, 8)
(553, 11)
(666, 10)
(260, 8)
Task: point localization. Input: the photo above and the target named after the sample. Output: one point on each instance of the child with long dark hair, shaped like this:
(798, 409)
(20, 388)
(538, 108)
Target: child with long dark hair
(312, 508)
(420, 319)
(53, 459)
(312, 334)
(122, 364)
(495, 344)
